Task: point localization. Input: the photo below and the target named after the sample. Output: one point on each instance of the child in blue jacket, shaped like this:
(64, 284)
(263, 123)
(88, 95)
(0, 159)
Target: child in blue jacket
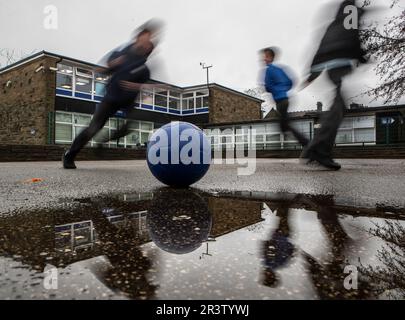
(278, 84)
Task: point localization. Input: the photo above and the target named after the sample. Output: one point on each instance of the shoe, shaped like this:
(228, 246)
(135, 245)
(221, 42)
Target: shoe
(305, 156)
(326, 162)
(68, 161)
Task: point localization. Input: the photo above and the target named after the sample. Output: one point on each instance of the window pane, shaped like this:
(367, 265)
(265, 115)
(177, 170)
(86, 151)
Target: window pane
(188, 95)
(161, 101)
(133, 138)
(63, 132)
(63, 117)
(101, 77)
(83, 85)
(188, 104)
(65, 69)
(205, 102)
(364, 135)
(174, 104)
(199, 103)
(363, 122)
(147, 98)
(102, 136)
(146, 126)
(78, 130)
(99, 88)
(175, 94)
(64, 81)
(133, 124)
(113, 123)
(272, 137)
(202, 93)
(82, 119)
(144, 137)
(347, 123)
(344, 137)
(84, 72)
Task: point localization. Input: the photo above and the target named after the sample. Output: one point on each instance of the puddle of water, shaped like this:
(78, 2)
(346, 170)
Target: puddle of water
(187, 244)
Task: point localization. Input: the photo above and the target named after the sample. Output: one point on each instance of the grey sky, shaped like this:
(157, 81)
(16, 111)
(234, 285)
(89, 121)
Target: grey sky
(225, 33)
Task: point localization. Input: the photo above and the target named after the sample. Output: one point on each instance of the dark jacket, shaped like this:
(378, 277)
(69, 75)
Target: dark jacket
(339, 42)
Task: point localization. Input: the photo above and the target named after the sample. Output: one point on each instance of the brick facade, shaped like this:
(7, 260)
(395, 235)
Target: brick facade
(227, 106)
(26, 103)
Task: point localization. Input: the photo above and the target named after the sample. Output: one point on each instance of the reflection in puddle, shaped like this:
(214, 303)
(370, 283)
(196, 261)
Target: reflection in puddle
(180, 244)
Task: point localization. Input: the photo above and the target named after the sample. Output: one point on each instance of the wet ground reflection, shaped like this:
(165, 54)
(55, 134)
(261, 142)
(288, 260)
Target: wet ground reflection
(187, 244)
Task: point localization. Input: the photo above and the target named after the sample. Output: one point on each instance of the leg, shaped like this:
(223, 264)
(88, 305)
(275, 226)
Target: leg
(282, 108)
(325, 138)
(101, 115)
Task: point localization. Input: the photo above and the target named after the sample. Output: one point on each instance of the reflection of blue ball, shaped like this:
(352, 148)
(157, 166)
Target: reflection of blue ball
(179, 154)
(178, 221)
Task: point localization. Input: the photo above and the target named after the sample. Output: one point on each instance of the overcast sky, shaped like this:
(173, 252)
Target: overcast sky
(224, 33)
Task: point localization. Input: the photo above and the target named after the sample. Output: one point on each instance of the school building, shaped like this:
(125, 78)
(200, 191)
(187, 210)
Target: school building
(47, 99)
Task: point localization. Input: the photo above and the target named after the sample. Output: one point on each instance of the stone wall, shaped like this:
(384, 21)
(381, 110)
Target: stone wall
(26, 102)
(226, 106)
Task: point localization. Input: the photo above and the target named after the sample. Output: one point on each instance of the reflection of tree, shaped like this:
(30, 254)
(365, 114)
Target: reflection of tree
(390, 276)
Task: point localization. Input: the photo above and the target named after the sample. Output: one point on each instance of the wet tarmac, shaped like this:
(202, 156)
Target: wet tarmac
(193, 244)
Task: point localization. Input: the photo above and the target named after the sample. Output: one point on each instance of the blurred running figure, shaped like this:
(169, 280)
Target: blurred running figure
(278, 83)
(128, 75)
(339, 51)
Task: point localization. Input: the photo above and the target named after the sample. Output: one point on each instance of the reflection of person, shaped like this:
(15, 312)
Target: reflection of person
(129, 74)
(328, 277)
(338, 50)
(278, 250)
(129, 268)
(278, 83)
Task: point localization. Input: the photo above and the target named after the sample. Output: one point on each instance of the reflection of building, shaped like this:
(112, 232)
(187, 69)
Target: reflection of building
(67, 238)
(231, 215)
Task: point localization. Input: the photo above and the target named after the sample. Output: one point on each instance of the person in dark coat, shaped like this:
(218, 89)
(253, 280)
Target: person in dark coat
(338, 53)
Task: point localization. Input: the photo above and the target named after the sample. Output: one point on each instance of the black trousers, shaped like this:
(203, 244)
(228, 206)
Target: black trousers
(103, 112)
(324, 140)
(282, 108)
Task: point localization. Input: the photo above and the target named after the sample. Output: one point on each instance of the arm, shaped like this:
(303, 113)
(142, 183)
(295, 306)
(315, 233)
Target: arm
(132, 86)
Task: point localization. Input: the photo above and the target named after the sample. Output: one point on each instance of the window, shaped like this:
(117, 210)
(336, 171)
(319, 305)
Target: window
(147, 98)
(64, 81)
(202, 99)
(100, 81)
(84, 73)
(364, 135)
(188, 101)
(161, 100)
(84, 85)
(99, 88)
(174, 100)
(174, 103)
(63, 132)
(64, 77)
(344, 136)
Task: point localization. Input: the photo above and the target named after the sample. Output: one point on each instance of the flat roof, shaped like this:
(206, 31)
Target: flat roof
(78, 61)
(314, 113)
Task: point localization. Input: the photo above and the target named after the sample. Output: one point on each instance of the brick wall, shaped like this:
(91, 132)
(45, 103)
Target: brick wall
(25, 105)
(226, 106)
